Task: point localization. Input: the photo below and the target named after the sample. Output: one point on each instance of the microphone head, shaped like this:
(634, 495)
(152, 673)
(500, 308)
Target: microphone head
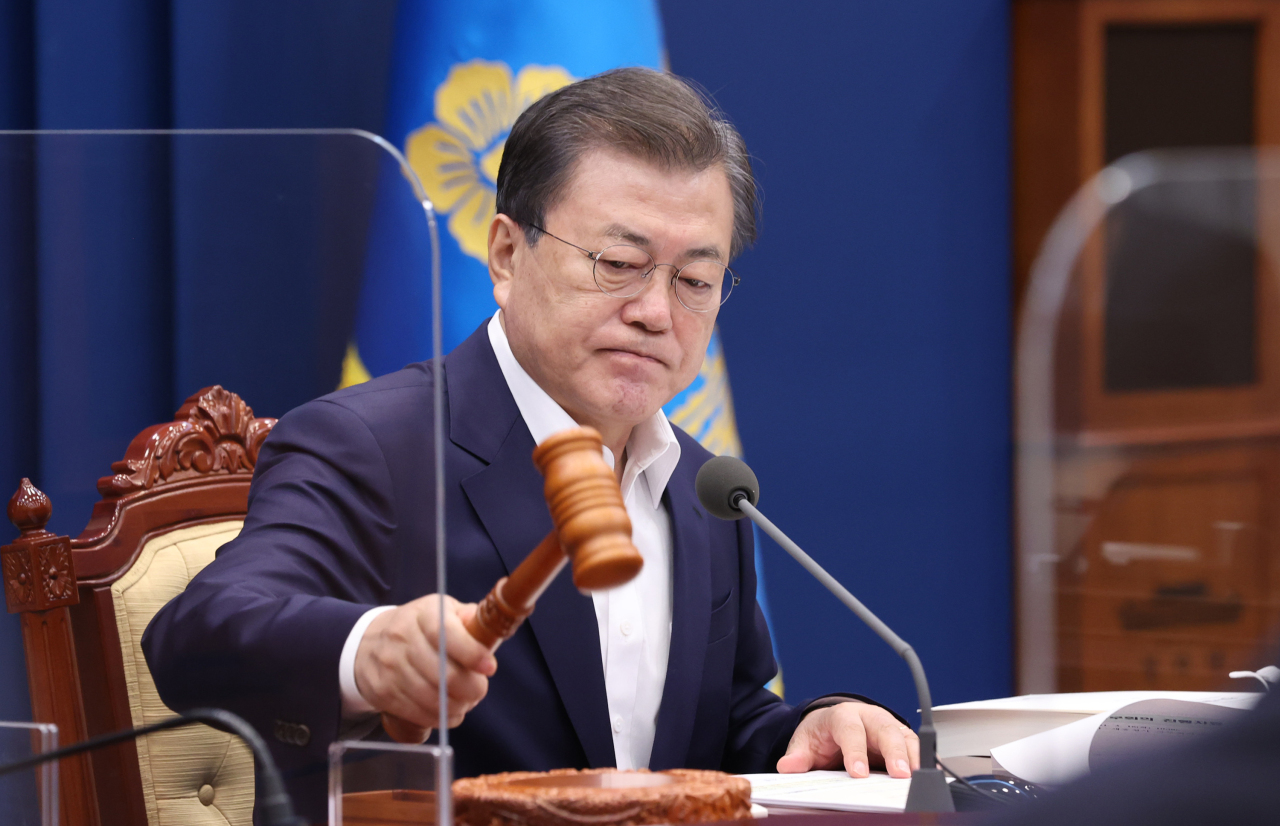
(720, 481)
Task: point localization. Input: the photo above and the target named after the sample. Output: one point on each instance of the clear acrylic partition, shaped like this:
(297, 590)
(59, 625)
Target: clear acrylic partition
(210, 234)
(1148, 430)
(30, 797)
(372, 783)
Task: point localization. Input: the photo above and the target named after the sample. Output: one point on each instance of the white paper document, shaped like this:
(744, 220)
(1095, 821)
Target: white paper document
(974, 729)
(834, 790)
(1069, 752)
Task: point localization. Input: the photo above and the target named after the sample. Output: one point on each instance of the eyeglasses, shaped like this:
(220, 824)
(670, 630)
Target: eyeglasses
(622, 270)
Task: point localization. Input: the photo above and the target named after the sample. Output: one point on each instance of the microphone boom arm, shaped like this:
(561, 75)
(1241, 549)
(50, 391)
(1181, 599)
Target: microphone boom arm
(929, 790)
(899, 645)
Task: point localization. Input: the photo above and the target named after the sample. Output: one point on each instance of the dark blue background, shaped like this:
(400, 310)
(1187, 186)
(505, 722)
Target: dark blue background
(868, 346)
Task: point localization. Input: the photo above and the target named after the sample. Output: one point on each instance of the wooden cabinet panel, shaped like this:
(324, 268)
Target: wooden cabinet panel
(1171, 585)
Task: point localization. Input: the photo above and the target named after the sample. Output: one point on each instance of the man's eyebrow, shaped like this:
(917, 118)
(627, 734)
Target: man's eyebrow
(703, 252)
(623, 234)
(632, 237)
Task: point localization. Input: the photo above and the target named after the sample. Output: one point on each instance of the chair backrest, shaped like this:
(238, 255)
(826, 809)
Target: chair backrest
(180, 492)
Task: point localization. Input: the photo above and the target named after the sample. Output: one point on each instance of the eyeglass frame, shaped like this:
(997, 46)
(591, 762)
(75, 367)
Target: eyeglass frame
(594, 255)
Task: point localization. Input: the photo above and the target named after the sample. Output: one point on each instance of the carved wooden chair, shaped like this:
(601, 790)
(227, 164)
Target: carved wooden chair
(180, 492)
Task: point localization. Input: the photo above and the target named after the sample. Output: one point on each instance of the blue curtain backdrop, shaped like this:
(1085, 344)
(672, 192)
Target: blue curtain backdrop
(868, 344)
(86, 365)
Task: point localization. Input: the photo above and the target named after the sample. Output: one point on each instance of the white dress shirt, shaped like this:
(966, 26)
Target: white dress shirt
(634, 619)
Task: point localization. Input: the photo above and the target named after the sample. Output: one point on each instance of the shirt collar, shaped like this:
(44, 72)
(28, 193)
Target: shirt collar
(652, 448)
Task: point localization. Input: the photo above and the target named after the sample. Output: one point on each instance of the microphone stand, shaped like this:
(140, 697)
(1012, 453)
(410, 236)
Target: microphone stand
(929, 792)
(275, 805)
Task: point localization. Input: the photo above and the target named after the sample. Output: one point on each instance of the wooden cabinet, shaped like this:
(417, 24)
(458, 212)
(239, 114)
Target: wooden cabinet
(1166, 377)
(1173, 582)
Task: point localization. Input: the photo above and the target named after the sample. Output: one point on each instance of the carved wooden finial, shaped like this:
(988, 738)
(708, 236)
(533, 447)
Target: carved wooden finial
(29, 509)
(214, 432)
(37, 567)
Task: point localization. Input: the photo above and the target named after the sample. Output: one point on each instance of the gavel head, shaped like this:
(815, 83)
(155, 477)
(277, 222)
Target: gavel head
(587, 509)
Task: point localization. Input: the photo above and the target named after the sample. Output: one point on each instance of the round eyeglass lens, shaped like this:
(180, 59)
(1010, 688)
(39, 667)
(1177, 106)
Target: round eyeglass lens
(702, 285)
(620, 270)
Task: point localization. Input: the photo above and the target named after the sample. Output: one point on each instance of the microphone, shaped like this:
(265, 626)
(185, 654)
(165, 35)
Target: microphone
(275, 804)
(728, 488)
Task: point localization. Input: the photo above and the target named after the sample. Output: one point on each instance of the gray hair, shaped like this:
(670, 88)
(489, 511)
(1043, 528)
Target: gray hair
(654, 116)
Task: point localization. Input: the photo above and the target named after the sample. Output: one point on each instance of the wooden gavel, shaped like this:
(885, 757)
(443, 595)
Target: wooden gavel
(591, 529)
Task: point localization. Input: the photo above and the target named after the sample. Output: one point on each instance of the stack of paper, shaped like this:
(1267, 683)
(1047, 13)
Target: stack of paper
(1070, 752)
(834, 790)
(973, 729)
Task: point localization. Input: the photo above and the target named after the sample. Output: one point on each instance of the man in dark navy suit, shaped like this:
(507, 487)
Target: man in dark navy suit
(620, 198)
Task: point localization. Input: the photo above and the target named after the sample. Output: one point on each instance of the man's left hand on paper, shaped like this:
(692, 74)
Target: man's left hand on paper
(853, 735)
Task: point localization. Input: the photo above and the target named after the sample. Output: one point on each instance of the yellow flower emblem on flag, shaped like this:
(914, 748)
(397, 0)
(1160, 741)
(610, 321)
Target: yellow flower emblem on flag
(457, 156)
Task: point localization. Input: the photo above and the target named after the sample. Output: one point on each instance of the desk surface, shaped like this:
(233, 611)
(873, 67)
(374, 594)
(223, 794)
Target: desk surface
(409, 808)
(777, 817)
(808, 817)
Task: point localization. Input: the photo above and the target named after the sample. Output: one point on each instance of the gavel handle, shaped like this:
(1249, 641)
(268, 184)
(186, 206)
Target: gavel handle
(499, 614)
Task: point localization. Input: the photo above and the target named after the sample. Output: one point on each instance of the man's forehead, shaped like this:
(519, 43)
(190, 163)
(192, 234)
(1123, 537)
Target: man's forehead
(600, 177)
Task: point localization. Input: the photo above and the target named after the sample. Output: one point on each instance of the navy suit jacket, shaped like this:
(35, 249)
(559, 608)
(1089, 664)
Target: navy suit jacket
(341, 519)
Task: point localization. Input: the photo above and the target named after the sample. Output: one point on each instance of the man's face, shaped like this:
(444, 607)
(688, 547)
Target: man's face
(612, 362)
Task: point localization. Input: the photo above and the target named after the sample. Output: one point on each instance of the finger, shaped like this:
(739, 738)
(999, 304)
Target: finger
(797, 759)
(418, 684)
(799, 756)
(811, 746)
(403, 731)
(849, 733)
(913, 748)
(891, 742)
(465, 687)
(413, 698)
(456, 716)
(392, 680)
(421, 659)
(464, 648)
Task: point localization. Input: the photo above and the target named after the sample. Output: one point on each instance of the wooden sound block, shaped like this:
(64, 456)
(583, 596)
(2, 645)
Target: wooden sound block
(596, 797)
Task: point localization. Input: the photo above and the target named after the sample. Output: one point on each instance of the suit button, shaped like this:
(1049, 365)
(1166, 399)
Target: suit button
(295, 734)
(205, 795)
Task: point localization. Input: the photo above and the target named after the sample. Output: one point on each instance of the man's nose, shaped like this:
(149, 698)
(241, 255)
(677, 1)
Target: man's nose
(652, 306)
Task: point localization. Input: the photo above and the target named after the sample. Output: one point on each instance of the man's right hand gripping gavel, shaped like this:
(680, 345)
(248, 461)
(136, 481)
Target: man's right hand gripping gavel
(397, 667)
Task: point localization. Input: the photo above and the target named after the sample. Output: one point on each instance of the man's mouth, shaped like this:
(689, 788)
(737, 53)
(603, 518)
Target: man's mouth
(636, 354)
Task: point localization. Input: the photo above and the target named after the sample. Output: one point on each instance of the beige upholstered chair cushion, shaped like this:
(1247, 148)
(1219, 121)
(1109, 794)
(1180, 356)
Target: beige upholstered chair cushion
(192, 776)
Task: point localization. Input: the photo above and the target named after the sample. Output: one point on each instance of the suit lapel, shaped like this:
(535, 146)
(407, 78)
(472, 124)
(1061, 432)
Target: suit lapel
(690, 622)
(564, 622)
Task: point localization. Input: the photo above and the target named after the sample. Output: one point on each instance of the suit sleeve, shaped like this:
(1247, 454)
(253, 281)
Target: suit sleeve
(260, 630)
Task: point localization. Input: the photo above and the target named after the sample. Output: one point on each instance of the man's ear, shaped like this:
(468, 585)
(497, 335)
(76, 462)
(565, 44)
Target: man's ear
(504, 237)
